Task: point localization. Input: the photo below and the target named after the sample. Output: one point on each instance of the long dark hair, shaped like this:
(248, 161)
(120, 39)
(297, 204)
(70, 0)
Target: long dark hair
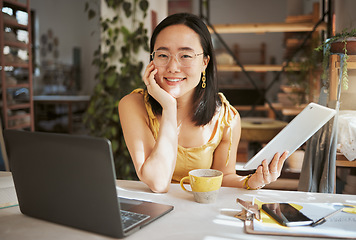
(206, 100)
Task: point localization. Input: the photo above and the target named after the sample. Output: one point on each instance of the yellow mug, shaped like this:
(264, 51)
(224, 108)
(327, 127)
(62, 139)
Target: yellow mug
(205, 184)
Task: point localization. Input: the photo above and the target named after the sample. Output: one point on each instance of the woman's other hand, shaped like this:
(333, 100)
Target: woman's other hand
(265, 173)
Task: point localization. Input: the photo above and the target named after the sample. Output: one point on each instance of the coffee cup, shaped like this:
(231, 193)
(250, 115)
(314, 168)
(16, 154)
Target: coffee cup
(205, 184)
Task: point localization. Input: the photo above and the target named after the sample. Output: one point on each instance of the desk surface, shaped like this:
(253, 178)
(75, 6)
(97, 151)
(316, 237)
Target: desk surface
(189, 220)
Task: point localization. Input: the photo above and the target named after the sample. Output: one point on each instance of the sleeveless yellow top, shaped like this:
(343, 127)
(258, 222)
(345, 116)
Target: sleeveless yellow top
(196, 157)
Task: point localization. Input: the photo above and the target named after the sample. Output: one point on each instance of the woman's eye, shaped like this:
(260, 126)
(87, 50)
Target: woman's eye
(162, 55)
(186, 56)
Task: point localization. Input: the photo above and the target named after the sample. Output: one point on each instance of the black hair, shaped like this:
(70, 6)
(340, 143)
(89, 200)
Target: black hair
(206, 100)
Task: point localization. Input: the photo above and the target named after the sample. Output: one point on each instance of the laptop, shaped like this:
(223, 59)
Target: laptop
(292, 136)
(70, 180)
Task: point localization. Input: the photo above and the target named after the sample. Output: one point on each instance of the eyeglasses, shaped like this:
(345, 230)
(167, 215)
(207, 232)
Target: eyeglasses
(185, 58)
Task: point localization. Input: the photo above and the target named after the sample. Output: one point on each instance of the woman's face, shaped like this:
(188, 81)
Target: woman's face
(176, 79)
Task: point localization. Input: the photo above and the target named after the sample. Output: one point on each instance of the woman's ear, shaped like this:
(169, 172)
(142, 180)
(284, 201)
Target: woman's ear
(205, 62)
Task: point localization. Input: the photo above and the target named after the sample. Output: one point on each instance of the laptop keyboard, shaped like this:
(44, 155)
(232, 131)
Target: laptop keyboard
(132, 219)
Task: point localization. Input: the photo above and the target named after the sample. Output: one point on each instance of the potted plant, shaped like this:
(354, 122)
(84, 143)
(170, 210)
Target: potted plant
(343, 43)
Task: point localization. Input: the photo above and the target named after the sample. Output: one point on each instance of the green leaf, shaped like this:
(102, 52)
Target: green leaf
(114, 20)
(126, 32)
(110, 80)
(91, 14)
(127, 9)
(115, 118)
(143, 5)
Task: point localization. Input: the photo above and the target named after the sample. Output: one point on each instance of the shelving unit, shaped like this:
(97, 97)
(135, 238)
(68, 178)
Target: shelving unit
(293, 24)
(17, 109)
(303, 23)
(266, 27)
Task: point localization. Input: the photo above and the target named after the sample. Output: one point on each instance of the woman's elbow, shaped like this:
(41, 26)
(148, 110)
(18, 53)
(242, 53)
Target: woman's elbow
(159, 186)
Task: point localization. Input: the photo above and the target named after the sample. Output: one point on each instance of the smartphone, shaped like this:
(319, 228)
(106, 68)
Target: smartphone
(286, 214)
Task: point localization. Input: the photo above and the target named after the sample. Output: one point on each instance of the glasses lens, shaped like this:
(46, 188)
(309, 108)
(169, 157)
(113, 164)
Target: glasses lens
(186, 58)
(161, 58)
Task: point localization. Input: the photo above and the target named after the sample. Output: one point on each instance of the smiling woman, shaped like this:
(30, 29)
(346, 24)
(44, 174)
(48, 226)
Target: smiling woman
(180, 122)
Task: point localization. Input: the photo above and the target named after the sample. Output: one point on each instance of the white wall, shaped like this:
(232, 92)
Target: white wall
(345, 14)
(69, 22)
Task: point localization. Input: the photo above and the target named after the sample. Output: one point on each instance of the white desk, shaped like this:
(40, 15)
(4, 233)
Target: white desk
(189, 220)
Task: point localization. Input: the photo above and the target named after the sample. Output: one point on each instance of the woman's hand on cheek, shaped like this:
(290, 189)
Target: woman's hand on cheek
(154, 89)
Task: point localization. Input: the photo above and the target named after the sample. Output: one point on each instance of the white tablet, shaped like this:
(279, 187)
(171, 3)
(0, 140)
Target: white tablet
(292, 136)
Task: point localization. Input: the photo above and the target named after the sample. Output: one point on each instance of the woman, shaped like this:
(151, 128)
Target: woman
(180, 122)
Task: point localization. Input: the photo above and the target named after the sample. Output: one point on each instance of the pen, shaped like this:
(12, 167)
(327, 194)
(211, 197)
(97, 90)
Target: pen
(323, 219)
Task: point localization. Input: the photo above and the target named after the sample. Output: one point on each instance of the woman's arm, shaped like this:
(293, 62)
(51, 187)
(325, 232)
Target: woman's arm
(154, 161)
(264, 174)
(230, 179)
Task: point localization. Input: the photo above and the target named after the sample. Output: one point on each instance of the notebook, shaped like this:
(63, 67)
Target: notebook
(70, 180)
(292, 136)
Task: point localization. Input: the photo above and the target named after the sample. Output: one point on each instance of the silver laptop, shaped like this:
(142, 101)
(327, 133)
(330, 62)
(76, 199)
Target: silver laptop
(70, 180)
(292, 136)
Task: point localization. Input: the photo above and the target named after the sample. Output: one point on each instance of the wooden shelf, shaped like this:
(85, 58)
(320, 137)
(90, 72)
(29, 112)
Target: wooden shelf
(21, 45)
(19, 116)
(342, 161)
(16, 25)
(16, 65)
(255, 68)
(19, 106)
(351, 62)
(267, 27)
(286, 110)
(20, 85)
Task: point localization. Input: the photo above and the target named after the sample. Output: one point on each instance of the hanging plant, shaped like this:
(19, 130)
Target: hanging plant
(338, 44)
(119, 72)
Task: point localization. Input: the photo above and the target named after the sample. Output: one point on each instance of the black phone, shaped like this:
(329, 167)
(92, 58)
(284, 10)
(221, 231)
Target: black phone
(286, 214)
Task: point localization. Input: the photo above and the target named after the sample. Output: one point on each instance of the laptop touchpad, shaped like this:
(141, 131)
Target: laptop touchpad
(127, 203)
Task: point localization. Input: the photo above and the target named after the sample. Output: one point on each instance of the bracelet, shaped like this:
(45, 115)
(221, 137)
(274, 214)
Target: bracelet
(247, 186)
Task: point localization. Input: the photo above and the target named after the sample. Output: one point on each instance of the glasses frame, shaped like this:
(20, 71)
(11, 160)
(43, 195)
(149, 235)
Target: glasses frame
(176, 56)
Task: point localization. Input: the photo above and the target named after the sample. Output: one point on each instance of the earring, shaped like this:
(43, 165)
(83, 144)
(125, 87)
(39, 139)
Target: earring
(203, 79)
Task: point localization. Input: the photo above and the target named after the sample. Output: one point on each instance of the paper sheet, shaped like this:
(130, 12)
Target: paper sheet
(6, 180)
(8, 197)
(7, 191)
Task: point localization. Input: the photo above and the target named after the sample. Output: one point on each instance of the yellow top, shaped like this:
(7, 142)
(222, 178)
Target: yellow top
(196, 157)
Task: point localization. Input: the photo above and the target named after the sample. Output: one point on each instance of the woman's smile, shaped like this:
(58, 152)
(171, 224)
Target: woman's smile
(173, 80)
